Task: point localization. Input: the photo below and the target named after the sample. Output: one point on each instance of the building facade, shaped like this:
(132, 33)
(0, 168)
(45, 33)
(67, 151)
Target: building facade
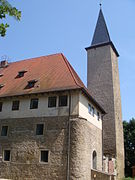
(48, 130)
(51, 125)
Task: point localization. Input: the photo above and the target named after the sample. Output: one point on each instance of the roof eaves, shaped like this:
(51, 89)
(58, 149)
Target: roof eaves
(93, 100)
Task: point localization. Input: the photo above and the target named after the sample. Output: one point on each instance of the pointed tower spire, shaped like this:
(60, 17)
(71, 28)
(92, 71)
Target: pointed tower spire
(101, 34)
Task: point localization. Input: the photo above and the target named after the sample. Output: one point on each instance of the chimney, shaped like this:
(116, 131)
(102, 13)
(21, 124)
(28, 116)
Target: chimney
(3, 64)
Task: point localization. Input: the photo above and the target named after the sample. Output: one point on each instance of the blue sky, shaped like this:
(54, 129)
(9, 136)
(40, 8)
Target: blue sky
(67, 26)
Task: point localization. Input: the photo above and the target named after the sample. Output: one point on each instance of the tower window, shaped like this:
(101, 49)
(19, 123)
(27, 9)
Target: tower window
(39, 129)
(44, 156)
(63, 100)
(4, 130)
(94, 160)
(1, 103)
(15, 105)
(7, 155)
(34, 104)
(52, 101)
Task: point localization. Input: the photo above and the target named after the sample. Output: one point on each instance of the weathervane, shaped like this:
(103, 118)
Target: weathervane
(100, 4)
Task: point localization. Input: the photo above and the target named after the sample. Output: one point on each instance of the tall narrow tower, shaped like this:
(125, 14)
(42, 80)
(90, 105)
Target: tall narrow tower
(103, 82)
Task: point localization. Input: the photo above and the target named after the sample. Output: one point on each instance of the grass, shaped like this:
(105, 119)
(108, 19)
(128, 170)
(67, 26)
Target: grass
(129, 178)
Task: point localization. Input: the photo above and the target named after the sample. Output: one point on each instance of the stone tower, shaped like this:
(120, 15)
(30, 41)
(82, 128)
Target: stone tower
(103, 82)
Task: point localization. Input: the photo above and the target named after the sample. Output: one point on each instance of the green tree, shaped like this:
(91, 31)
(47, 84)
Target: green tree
(7, 9)
(129, 145)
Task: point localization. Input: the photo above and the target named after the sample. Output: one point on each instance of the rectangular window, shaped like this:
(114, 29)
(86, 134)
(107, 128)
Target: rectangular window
(98, 116)
(6, 155)
(63, 100)
(4, 130)
(52, 101)
(1, 103)
(44, 156)
(93, 111)
(15, 105)
(39, 129)
(89, 108)
(34, 104)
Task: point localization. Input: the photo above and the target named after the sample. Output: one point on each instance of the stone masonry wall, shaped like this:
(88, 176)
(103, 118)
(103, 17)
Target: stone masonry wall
(103, 82)
(85, 138)
(118, 117)
(25, 149)
(100, 84)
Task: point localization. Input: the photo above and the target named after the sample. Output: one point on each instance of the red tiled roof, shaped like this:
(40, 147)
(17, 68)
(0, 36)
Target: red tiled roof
(53, 73)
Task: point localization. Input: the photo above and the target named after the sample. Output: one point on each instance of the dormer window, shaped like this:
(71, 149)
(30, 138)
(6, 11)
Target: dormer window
(31, 83)
(21, 73)
(1, 86)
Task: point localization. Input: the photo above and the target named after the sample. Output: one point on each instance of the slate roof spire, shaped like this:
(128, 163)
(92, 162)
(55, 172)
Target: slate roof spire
(101, 34)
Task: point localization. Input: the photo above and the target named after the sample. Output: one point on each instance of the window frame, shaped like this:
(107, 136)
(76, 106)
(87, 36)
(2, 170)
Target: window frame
(60, 104)
(31, 103)
(4, 155)
(94, 160)
(14, 106)
(36, 129)
(50, 98)
(89, 108)
(43, 162)
(98, 115)
(1, 106)
(6, 131)
(92, 111)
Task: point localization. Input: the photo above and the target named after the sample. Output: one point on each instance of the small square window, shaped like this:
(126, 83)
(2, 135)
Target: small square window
(39, 129)
(93, 111)
(62, 101)
(15, 105)
(34, 104)
(6, 155)
(52, 101)
(44, 156)
(98, 116)
(1, 103)
(4, 130)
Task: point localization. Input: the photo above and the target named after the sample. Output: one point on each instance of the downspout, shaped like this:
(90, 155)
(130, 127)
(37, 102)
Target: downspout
(102, 142)
(68, 141)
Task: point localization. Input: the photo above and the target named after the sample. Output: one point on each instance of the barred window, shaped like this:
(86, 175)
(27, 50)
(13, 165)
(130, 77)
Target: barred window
(52, 101)
(15, 105)
(34, 104)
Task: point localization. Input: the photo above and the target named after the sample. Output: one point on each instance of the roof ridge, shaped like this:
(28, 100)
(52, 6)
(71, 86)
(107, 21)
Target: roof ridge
(69, 68)
(55, 54)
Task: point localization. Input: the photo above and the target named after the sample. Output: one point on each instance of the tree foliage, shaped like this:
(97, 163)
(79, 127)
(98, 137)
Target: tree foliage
(7, 10)
(129, 145)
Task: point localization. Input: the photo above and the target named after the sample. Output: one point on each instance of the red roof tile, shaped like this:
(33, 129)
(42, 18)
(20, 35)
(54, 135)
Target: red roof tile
(53, 72)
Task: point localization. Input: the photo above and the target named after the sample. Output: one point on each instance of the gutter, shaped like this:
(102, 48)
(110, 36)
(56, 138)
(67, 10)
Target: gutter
(68, 139)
